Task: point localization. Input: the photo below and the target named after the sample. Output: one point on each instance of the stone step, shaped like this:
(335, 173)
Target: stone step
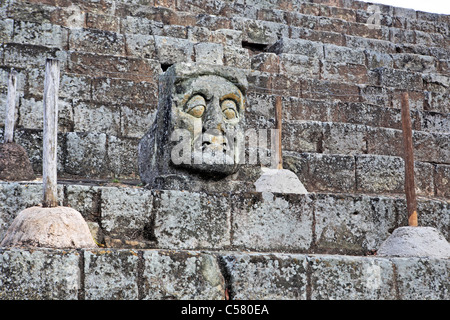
(136, 217)
(130, 274)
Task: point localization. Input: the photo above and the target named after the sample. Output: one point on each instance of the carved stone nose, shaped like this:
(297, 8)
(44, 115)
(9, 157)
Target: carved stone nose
(214, 140)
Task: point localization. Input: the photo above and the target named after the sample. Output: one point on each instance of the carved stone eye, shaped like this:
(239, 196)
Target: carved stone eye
(229, 109)
(196, 106)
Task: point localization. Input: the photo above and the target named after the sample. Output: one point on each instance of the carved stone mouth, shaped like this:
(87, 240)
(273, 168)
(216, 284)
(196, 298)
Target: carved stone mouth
(214, 147)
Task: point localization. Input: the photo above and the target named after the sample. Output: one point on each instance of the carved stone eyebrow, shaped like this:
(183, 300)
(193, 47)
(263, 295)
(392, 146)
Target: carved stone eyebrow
(235, 96)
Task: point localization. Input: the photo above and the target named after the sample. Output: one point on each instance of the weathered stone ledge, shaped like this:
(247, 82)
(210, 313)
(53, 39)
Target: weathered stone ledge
(135, 217)
(115, 274)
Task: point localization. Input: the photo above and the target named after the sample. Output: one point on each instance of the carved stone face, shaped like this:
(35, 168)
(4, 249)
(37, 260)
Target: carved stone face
(198, 133)
(211, 109)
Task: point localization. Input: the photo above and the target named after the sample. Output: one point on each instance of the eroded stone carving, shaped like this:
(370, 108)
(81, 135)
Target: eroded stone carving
(197, 138)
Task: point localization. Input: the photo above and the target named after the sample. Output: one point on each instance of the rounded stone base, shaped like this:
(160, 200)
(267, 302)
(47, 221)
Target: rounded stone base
(415, 242)
(58, 227)
(279, 181)
(14, 163)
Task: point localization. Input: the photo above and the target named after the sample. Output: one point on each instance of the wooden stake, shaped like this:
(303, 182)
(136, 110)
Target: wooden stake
(278, 120)
(10, 107)
(411, 201)
(49, 162)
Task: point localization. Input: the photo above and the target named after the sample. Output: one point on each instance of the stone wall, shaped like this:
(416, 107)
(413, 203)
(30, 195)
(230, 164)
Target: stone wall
(135, 217)
(120, 274)
(340, 79)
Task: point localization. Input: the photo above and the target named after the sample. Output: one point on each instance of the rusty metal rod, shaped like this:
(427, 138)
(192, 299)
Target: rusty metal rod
(410, 191)
(278, 120)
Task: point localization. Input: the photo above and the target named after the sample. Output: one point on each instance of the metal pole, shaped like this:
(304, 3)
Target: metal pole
(410, 191)
(49, 162)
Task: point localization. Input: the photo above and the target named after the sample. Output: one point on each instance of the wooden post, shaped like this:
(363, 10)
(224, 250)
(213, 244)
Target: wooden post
(278, 120)
(411, 201)
(10, 107)
(49, 162)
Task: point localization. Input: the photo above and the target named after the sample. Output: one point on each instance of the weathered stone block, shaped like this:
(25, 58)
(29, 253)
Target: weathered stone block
(377, 59)
(73, 86)
(84, 199)
(24, 56)
(414, 62)
(431, 213)
(187, 220)
(267, 276)
(110, 275)
(141, 45)
(136, 69)
(31, 141)
(42, 274)
(86, 154)
(181, 275)
(98, 41)
(322, 172)
(172, 50)
(16, 197)
(101, 118)
(343, 54)
(442, 180)
(375, 95)
(298, 46)
(346, 72)
(272, 222)
(384, 141)
(376, 174)
(266, 62)
(301, 65)
(32, 113)
(227, 37)
(324, 89)
(343, 138)
(356, 278)
(6, 30)
(126, 213)
(302, 136)
(434, 122)
(371, 44)
(209, 53)
(399, 79)
(436, 101)
(136, 119)
(102, 22)
(236, 57)
(122, 157)
(421, 279)
(263, 32)
(44, 34)
(352, 224)
(117, 91)
(307, 109)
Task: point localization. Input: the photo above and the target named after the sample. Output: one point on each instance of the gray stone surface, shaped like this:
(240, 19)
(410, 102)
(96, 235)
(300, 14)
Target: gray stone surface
(110, 275)
(182, 275)
(56, 227)
(351, 278)
(415, 242)
(272, 222)
(279, 181)
(191, 220)
(44, 274)
(118, 274)
(264, 276)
